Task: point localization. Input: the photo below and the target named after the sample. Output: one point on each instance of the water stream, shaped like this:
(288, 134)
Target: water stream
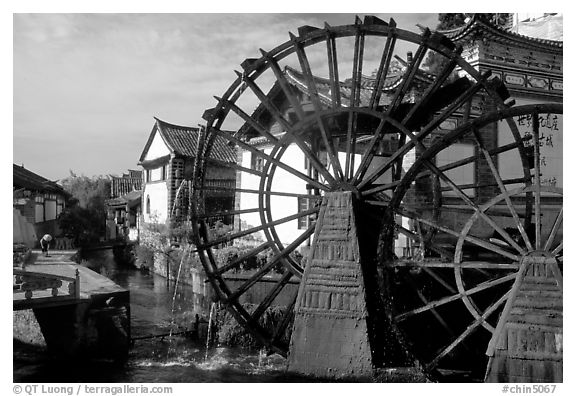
(157, 307)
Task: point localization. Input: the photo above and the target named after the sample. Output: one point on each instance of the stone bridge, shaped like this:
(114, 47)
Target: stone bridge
(80, 312)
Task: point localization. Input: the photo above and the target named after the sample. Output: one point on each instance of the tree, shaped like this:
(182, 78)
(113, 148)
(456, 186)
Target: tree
(85, 213)
(450, 21)
(435, 62)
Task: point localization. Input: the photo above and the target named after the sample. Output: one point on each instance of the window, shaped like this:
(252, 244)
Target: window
(163, 174)
(148, 175)
(303, 205)
(257, 162)
(148, 204)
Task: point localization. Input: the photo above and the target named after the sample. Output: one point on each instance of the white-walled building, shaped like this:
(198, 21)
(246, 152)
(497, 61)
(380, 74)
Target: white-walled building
(168, 160)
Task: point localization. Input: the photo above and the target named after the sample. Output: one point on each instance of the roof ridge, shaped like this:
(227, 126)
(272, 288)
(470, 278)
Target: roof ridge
(478, 22)
(159, 121)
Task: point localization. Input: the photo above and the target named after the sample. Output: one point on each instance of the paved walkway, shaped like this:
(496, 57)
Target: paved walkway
(59, 263)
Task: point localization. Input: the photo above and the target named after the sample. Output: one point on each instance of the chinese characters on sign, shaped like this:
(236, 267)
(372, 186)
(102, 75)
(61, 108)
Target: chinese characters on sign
(550, 144)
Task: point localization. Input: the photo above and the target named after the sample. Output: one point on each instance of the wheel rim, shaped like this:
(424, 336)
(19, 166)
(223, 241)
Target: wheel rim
(360, 169)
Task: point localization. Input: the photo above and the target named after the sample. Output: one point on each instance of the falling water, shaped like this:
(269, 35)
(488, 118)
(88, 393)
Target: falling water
(209, 331)
(173, 320)
(261, 356)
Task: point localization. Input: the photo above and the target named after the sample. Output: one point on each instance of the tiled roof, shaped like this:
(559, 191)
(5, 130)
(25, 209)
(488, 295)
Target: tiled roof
(479, 27)
(23, 178)
(183, 141)
(549, 28)
(132, 199)
(367, 84)
(120, 186)
(134, 174)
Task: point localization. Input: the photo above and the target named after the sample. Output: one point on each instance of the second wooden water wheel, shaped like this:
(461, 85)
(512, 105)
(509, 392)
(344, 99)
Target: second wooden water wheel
(449, 300)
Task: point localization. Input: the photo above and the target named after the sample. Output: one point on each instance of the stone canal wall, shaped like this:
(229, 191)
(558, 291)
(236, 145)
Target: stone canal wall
(182, 264)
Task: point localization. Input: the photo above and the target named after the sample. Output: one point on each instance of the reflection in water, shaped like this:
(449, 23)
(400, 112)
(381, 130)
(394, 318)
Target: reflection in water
(172, 359)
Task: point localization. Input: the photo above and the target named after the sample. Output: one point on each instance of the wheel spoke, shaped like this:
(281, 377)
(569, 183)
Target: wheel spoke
(463, 265)
(468, 201)
(354, 99)
(468, 210)
(471, 159)
(228, 238)
(478, 288)
(476, 241)
(333, 67)
(409, 74)
(442, 252)
(471, 328)
(439, 279)
(369, 152)
(248, 119)
(427, 130)
(265, 100)
(384, 66)
(251, 191)
(433, 88)
(279, 331)
(502, 188)
(268, 266)
(426, 302)
(237, 167)
(227, 213)
(271, 296)
(554, 230)
(267, 157)
(248, 255)
(558, 249)
(281, 78)
(287, 127)
(537, 170)
(313, 91)
(478, 185)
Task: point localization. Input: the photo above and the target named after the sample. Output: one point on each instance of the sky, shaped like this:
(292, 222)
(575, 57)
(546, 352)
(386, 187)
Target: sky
(86, 87)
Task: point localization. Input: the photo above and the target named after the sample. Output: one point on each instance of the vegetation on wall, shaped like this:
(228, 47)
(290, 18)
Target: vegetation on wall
(231, 333)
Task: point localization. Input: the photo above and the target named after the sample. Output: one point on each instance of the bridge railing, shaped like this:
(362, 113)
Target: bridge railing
(29, 283)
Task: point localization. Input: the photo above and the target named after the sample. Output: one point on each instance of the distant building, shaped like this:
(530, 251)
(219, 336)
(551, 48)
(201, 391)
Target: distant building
(168, 164)
(38, 199)
(124, 206)
(531, 66)
(128, 182)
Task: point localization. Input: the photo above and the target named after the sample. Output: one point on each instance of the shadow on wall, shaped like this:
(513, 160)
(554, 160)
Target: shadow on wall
(23, 231)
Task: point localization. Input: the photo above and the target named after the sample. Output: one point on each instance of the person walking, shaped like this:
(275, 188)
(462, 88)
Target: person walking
(45, 244)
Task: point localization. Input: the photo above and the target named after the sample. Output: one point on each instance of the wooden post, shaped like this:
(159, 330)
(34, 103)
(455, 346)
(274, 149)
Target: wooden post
(77, 284)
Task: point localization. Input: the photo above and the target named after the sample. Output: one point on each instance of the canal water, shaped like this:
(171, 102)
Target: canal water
(157, 307)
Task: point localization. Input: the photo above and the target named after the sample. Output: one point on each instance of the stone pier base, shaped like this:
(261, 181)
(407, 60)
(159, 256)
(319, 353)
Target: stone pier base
(330, 337)
(527, 345)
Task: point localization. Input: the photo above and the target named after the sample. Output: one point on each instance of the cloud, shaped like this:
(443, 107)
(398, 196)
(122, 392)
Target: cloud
(91, 78)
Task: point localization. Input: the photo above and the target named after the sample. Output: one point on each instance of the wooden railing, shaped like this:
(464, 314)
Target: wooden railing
(29, 282)
(225, 184)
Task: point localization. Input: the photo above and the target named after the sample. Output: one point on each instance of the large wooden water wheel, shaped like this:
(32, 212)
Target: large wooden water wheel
(308, 122)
